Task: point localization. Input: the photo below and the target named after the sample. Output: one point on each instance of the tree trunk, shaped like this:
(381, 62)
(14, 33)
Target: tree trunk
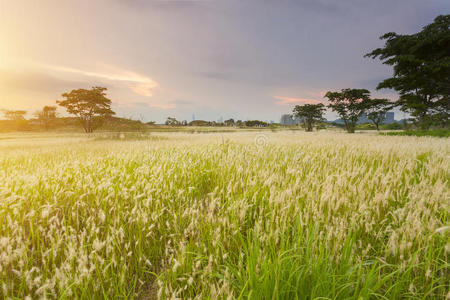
(378, 127)
(85, 127)
(351, 128)
(89, 126)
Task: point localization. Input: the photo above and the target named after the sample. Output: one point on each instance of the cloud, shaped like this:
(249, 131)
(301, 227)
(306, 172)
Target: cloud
(139, 84)
(291, 100)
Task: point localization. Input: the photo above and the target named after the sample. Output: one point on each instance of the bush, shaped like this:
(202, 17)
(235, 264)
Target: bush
(366, 126)
(392, 126)
(436, 133)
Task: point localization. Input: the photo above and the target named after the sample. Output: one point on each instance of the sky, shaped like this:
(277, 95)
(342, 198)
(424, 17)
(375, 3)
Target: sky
(208, 59)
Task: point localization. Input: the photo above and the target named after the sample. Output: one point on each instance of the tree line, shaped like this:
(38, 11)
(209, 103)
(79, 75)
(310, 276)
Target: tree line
(421, 76)
(350, 105)
(228, 123)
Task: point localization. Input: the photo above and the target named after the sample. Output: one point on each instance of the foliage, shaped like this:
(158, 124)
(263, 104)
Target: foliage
(421, 63)
(349, 104)
(303, 216)
(436, 133)
(365, 126)
(393, 126)
(172, 121)
(310, 114)
(17, 118)
(14, 115)
(229, 122)
(46, 116)
(199, 123)
(376, 110)
(91, 107)
(255, 123)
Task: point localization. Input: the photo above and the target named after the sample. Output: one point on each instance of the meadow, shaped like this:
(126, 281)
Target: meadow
(232, 215)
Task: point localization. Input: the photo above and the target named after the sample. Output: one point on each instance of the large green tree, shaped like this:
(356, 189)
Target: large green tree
(376, 110)
(309, 114)
(91, 107)
(421, 64)
(349, 104)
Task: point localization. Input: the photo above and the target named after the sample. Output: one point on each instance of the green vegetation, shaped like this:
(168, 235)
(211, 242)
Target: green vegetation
(421, 65)
(246, 215)
(436, 132)
(310, 114)
(349, 104)
(91, 107)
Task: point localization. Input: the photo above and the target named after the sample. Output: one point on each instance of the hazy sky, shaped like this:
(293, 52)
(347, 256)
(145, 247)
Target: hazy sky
(246, 59)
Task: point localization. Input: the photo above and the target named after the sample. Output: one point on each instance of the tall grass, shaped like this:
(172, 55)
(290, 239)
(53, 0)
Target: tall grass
(305, 216)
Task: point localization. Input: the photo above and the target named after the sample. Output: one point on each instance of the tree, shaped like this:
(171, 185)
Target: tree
(91, 107)
(14, 115)
(229, 122)
(349, 104)
(309, 114)
(377, 109)
(255, 123)
(18, 119)
(172, 121)
(421, 64)
(46, 116)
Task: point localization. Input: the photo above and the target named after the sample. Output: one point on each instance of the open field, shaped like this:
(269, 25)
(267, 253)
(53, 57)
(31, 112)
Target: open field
(257, 215)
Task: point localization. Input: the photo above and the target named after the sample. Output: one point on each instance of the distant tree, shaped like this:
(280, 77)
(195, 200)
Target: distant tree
(349, 104)
(14, 115)
(239, 123)
(376, 111)
(200, 123)
(421, 63)
(229, 122)
(309, 114)
(18, 118)
(184, 123)
(255, 123)
(172, 121)
(91, 107)
(46, 116)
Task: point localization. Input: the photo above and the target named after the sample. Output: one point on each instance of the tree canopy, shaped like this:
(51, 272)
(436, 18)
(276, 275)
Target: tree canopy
(90, 106)
(421, 64)
(376, 110)
(349, 104)
(14, 115)
(172, 121)
(46, 116)
(309, 114)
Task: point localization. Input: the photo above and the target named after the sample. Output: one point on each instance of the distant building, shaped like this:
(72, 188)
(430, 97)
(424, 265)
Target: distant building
(286, 120)
(389, 119)
(290, 120)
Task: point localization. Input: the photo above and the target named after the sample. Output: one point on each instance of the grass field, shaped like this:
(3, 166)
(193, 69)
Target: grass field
(247, 215)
